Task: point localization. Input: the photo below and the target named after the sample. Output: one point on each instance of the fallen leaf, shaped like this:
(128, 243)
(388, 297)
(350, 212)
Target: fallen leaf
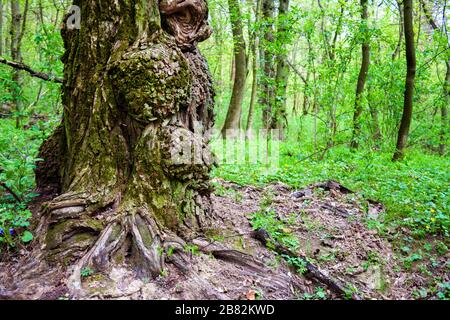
(251, 295)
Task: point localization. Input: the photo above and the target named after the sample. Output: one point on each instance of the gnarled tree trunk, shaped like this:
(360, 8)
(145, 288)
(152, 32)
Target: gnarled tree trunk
(131, 158)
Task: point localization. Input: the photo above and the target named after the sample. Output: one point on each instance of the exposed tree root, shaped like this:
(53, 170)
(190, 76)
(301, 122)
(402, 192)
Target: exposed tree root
(248, 262)
(135, 240)
(220, 252)
(312, 271)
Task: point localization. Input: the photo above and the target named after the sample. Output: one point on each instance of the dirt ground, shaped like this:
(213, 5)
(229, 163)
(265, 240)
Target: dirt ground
(329, 223)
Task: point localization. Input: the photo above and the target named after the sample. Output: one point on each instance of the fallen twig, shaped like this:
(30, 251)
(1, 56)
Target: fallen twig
(312, 271)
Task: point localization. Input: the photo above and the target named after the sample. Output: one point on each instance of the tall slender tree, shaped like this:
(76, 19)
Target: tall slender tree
(365, 62)
(398, 47)
(1, 27)
(267, 57)
(446, 86)
(279, 116)
(255, 57)
(18, 26)
(233, 118)
(405, 123)
(16, 55)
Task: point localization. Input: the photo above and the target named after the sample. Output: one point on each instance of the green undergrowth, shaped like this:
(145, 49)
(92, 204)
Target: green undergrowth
(415, 191)
(18, 157)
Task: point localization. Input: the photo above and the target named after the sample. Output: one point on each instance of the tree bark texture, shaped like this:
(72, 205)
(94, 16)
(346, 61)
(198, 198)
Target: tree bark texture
(279, 120)
(268, 59)
(446, 87)
(136, 92)
(405, 123)
(233, 118)
(365, 63)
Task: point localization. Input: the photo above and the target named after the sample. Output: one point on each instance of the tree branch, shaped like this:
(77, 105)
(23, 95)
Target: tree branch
(428, 16)
(297, 72)
(15, 196)
(37, 74)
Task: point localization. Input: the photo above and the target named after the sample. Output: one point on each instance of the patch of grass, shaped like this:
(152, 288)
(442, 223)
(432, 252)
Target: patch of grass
(328, 257)
(276, 228)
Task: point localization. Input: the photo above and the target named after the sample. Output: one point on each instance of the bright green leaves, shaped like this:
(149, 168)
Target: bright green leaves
(27, 237)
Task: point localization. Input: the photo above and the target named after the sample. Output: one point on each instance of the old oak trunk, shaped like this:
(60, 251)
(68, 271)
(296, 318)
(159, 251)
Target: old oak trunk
(130, 160)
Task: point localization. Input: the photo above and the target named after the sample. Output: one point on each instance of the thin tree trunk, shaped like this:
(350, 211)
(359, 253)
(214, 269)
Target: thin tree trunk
(376, 136)
(232, 71)
(1, 27)
(233, 118)
(279, 120)
(267, 81)
(306, 94)
(444, 111)
(396, 52)
(255, 50)
(405, 123)
(376, 125)
(57, 8)
(16, 55)
(446, 88)
(362, 77)
(419, 28)
(337, 32)
(24, 25)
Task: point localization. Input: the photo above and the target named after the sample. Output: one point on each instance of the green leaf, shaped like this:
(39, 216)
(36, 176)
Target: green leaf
(27, 237)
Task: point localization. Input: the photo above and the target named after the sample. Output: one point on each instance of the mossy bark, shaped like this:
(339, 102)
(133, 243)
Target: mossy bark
(135, 88)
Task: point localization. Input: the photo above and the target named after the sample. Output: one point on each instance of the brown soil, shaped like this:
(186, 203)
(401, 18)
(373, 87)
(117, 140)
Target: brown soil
(330, 226)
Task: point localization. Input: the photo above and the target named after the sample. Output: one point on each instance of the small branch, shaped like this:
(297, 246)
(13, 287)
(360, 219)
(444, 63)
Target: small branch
(16, 197)
(297, 72)
(36, 74)
(312, 271)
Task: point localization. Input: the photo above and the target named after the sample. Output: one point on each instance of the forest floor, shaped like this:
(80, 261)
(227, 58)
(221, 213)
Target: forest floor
(326, 223)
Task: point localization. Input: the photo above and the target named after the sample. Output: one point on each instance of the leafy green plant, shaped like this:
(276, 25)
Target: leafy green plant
(319, 294)
(350, 291)
(86, 272)
(298, 263)
(191, 249)
(415, 192)
(443, 291)
(18, 149)
(13, 221)
(408, 261)
(164, 273)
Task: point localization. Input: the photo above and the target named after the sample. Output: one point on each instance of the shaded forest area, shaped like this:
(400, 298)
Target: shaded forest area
(356, 205)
